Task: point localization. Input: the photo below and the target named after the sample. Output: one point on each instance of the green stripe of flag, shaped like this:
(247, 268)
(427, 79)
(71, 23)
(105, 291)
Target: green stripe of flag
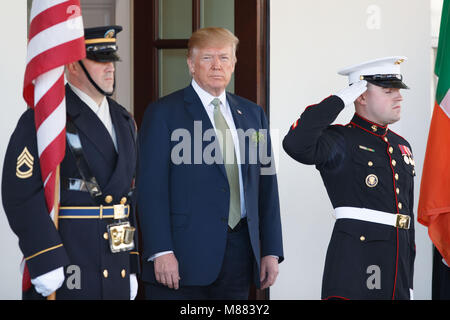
(442, 67)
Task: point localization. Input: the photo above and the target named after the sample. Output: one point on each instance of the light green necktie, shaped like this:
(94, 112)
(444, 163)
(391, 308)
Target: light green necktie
(231, 166)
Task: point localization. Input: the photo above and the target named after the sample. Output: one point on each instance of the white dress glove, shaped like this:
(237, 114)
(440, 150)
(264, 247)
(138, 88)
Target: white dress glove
(351, 93)
(49, 282)
(133, 286)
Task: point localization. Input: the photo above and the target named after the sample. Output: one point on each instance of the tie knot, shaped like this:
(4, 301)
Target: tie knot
(215, 102)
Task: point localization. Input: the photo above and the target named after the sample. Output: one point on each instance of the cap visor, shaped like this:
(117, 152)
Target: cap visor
(389, 84)
(103, 56)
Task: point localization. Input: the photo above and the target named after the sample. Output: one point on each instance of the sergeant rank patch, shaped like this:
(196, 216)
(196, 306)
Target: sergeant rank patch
(24, 167)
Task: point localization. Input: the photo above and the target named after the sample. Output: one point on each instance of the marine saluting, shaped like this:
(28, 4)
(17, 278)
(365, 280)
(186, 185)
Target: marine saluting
(368, 171)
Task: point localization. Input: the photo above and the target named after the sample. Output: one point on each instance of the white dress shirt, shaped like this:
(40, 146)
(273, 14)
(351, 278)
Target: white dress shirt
(206, 99)
(102, 111)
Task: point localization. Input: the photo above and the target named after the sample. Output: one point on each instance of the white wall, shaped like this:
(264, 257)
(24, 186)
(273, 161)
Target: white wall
(13, 16)
(310, 41)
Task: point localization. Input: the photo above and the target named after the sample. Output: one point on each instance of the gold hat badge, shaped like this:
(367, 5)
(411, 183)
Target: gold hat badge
(24, 161)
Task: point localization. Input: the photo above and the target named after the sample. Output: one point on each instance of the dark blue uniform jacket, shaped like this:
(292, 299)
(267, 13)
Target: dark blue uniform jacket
(78, 242)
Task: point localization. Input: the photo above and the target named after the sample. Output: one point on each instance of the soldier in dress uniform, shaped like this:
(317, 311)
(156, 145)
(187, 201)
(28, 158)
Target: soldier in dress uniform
(93, 254)
(368, 171)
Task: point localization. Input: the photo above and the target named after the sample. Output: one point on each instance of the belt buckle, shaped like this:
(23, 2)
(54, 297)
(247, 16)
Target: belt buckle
(402, 221)
(121, 237)
(119, 211)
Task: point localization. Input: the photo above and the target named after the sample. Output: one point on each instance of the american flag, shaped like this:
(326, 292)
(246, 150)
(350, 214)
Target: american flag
(56, 38)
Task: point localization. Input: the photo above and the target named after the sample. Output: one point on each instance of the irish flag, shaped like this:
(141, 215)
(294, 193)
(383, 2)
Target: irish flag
(434, 201)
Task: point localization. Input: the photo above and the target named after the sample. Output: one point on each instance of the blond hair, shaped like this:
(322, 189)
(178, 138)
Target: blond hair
(212, 36)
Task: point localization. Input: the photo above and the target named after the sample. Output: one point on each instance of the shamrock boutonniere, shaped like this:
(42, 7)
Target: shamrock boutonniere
(258, 137)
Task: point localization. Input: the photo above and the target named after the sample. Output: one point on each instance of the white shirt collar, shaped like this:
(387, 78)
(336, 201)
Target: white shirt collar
(206, 97)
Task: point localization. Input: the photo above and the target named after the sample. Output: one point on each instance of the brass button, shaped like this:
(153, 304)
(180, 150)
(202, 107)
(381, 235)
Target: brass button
(123, 200)
(396, 176)
(123, 273)
(105, 236)
(108, 199)
(391, 150)
(397, 190)
(105, 273)
(385, 139)
(362, 238)
(414, 172)
(400, 205)
(394, 163)
(370, 163)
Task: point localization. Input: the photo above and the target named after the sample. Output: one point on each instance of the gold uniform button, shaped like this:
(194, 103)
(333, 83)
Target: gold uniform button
(362, 238)
(391, 150)
(123, 200)
(394, 163)
(123, 273)
(370, 163)
(108, 199)
(385, 139)
(396, 176)
(105, 236)
(105, 273)
(397, 190)
(400, 205)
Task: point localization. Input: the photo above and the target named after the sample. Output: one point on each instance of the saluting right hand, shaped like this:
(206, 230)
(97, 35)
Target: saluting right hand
(166, 270)
(351, 93)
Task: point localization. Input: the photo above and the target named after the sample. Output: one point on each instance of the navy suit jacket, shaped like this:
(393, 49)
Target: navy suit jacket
(184, 206)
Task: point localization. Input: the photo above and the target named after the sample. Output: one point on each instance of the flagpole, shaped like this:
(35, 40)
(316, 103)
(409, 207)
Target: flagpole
(52, 296)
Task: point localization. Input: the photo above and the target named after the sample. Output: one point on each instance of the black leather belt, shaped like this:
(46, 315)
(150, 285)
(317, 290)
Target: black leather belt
(242, 224)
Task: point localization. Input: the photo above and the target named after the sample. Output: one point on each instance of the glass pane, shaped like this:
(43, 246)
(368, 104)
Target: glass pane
(175, 19)
(173, 71)
(217, 13)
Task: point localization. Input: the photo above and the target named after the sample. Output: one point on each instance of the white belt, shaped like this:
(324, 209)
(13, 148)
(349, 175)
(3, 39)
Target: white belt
(396, 220)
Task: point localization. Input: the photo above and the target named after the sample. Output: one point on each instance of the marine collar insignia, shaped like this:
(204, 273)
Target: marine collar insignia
(369, 126)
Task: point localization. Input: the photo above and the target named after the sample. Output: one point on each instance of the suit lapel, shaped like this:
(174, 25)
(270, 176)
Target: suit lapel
(197, 111)
(241, 122)
(195, 107)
